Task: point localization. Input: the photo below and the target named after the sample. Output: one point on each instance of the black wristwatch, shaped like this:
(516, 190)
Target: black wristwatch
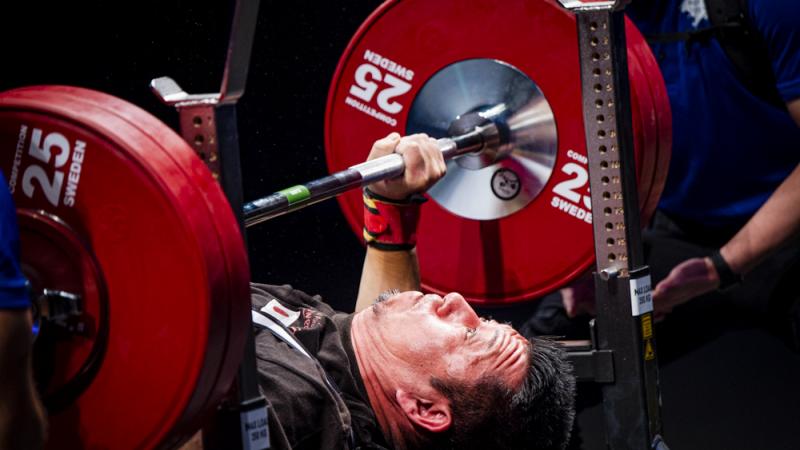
(727, 277)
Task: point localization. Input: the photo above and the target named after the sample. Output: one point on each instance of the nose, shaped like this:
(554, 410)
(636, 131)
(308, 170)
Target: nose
(454, 308)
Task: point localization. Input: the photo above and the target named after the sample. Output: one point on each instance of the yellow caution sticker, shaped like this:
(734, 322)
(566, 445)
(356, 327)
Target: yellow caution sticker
(647, 326)
(649, 351)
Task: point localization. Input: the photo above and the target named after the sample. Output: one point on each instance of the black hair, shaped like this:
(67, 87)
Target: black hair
(487, 414)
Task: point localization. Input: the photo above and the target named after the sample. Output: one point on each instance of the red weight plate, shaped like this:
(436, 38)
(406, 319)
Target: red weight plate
(159, 254)
(232, 244)
(397, 51)
(645, 130)
(661, 116)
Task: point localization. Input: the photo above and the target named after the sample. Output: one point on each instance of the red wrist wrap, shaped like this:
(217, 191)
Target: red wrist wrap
(390, 224)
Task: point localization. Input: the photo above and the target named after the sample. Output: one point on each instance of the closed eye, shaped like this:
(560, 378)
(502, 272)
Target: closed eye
(386, 295)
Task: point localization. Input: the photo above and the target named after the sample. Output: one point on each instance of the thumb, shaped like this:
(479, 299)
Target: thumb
(658, 291)
(385, 146)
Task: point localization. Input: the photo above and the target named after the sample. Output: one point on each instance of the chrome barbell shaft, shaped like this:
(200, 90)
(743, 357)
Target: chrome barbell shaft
(385, 167)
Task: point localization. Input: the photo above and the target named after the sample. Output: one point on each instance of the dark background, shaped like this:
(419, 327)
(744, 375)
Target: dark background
(738, 391)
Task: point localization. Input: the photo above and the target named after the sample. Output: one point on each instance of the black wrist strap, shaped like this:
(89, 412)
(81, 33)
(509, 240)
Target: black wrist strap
(727, 277)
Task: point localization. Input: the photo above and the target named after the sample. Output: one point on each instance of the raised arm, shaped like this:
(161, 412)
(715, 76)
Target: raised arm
(394, 265)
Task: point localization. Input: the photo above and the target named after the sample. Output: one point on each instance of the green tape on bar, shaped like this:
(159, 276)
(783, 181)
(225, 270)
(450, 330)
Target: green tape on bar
(295, 193)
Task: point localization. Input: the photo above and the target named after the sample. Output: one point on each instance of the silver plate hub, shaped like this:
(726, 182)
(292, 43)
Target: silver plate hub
(499, 90)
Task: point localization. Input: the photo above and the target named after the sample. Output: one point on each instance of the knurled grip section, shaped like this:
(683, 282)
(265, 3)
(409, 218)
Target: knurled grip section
(602, 139)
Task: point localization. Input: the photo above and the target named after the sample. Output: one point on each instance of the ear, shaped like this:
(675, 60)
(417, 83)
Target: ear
(432, 414)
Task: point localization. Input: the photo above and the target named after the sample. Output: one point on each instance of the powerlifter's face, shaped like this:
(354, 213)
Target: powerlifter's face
(445, 338)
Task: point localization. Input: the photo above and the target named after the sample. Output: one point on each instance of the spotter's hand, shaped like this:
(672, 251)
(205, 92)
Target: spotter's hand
(689, 279)
(423, 161)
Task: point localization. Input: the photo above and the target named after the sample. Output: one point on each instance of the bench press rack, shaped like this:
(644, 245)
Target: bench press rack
(621, 355)
(241, 421)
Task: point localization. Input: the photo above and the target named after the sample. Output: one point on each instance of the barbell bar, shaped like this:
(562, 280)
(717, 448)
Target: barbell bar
(487, 135)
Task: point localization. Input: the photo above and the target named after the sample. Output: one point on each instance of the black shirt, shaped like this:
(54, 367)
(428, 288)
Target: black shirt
(304, 413)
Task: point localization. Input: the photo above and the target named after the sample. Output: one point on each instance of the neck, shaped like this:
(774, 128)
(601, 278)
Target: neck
(378, 374)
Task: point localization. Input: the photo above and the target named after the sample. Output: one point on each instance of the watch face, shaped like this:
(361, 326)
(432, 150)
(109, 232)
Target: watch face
(505, 184)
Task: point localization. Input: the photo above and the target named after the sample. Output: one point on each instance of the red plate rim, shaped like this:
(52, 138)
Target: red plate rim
(221, 217)
(40, 102)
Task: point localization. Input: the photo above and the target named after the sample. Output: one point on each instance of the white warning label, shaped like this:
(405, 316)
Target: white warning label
(255, 433)
(641, 296)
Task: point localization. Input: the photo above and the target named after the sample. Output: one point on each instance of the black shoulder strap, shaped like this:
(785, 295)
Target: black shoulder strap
(745, 47)
(742, 43)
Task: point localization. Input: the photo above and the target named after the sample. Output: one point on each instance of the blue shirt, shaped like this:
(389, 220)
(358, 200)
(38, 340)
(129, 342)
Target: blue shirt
(13, 288)
(731, 149)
